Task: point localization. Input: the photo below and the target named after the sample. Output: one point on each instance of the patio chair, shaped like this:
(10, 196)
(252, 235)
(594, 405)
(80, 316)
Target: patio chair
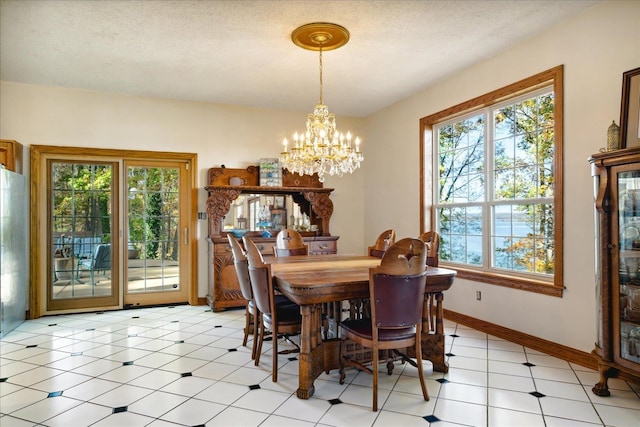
(101, 261)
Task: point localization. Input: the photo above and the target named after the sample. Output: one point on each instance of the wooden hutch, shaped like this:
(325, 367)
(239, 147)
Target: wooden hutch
(225, 185)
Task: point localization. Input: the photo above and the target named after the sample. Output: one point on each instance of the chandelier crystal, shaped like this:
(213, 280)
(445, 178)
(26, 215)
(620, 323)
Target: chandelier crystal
(321, 148)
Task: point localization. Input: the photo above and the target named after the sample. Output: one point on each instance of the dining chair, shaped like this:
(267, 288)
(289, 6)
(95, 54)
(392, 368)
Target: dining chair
(279, 319)
(290, 243)
(432, 240)
(396, 290)
(384, 240)
(359, 309)
(251, 312)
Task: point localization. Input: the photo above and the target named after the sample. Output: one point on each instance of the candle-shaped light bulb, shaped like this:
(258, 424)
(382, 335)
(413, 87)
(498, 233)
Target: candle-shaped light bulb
(349, 137)
(357, 144)
(284, 143)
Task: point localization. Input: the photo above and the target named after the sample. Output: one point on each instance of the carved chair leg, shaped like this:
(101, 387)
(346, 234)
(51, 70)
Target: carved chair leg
(247, 326)
(260, 338)
(256, 331)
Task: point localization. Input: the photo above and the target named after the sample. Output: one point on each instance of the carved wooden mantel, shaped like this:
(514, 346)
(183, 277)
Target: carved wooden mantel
(305, 190)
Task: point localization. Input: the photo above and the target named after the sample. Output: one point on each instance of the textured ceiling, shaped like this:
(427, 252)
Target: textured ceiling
(240, 52)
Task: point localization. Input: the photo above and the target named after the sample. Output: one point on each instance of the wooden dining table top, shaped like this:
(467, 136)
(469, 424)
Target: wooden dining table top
(317, 279)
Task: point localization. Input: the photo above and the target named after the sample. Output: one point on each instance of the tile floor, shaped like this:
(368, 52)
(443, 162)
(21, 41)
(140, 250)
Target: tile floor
(185, 366)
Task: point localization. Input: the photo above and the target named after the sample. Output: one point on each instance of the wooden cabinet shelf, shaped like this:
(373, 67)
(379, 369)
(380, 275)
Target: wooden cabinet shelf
(306, 192)
(617, 176)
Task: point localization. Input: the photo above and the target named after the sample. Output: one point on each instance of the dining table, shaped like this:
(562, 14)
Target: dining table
(317, 281)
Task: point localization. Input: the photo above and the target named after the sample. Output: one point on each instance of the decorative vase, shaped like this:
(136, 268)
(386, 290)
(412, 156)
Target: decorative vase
(613, 137)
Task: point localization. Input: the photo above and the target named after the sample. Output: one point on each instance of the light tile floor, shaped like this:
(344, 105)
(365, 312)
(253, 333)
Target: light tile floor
(185, 366)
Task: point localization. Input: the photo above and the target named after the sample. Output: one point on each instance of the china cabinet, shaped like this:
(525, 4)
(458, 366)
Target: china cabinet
(11, 155)
(617, 202)
(236, 203)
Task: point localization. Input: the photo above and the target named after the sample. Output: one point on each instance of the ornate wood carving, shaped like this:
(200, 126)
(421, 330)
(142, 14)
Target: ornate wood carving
(322, 206)
(222, 176)
(290, 179)
(218, 205)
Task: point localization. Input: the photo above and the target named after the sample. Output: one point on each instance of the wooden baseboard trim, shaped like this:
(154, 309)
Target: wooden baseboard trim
(202, 301)
(548, 347)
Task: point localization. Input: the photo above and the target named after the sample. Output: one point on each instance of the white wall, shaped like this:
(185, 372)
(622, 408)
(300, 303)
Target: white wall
(220, 134)
(595, 48)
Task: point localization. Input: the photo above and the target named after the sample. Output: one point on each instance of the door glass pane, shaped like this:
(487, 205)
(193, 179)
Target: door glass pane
(81, 227)
(153, 229)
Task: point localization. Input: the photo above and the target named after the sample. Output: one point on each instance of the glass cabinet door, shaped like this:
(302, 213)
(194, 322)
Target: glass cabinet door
(628, 295)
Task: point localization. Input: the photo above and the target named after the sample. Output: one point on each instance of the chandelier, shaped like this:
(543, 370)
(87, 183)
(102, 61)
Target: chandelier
(321, 148)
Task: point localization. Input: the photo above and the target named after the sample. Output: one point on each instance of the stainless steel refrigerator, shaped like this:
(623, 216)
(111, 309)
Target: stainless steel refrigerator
(14, 255)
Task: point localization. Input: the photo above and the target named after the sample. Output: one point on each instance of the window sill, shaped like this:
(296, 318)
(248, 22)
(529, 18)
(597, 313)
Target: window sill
(530, 285)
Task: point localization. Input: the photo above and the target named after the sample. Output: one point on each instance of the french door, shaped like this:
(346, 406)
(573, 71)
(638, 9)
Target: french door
(115, 231)
(156, 233)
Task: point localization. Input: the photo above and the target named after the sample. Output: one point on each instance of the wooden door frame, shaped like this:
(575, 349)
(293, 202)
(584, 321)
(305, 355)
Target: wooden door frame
(39, 155)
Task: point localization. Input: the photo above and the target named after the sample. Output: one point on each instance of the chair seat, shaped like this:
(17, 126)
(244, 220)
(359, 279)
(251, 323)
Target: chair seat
(362, 328)
(283, 301)
(287, 315)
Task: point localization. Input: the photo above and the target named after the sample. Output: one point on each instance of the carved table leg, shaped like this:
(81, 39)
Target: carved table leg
(310, 350)
(433, 343)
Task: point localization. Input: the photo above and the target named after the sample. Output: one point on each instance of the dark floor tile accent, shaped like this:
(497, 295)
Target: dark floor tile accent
(528, 364)
(90, 329)
(53, 324)
(291, 359)
(335, 401)
(442, 380)
(132, 335)
(454, 335)
(208, 311)
(218, 326)
(172, 306)
(233, 349)
(186, 374)
(32, 346)
(120, 409)
(55, 394)
(175, 321)
(135, 317)
(537, 394)
(255, 387)
(3, 379)
(449, 354)
(128, 363)
(77, 353)
(431, 418)
(201, 425)
(179, 342)
(99, 312)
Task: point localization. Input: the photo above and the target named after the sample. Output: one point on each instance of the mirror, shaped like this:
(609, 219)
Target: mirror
(256, 212)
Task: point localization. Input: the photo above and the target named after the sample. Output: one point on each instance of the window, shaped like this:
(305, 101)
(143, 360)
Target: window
(496, 184)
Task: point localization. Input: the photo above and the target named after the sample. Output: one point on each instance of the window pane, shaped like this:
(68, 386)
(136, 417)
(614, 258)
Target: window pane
(522, 237)
(461, 234)
(461, 154)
